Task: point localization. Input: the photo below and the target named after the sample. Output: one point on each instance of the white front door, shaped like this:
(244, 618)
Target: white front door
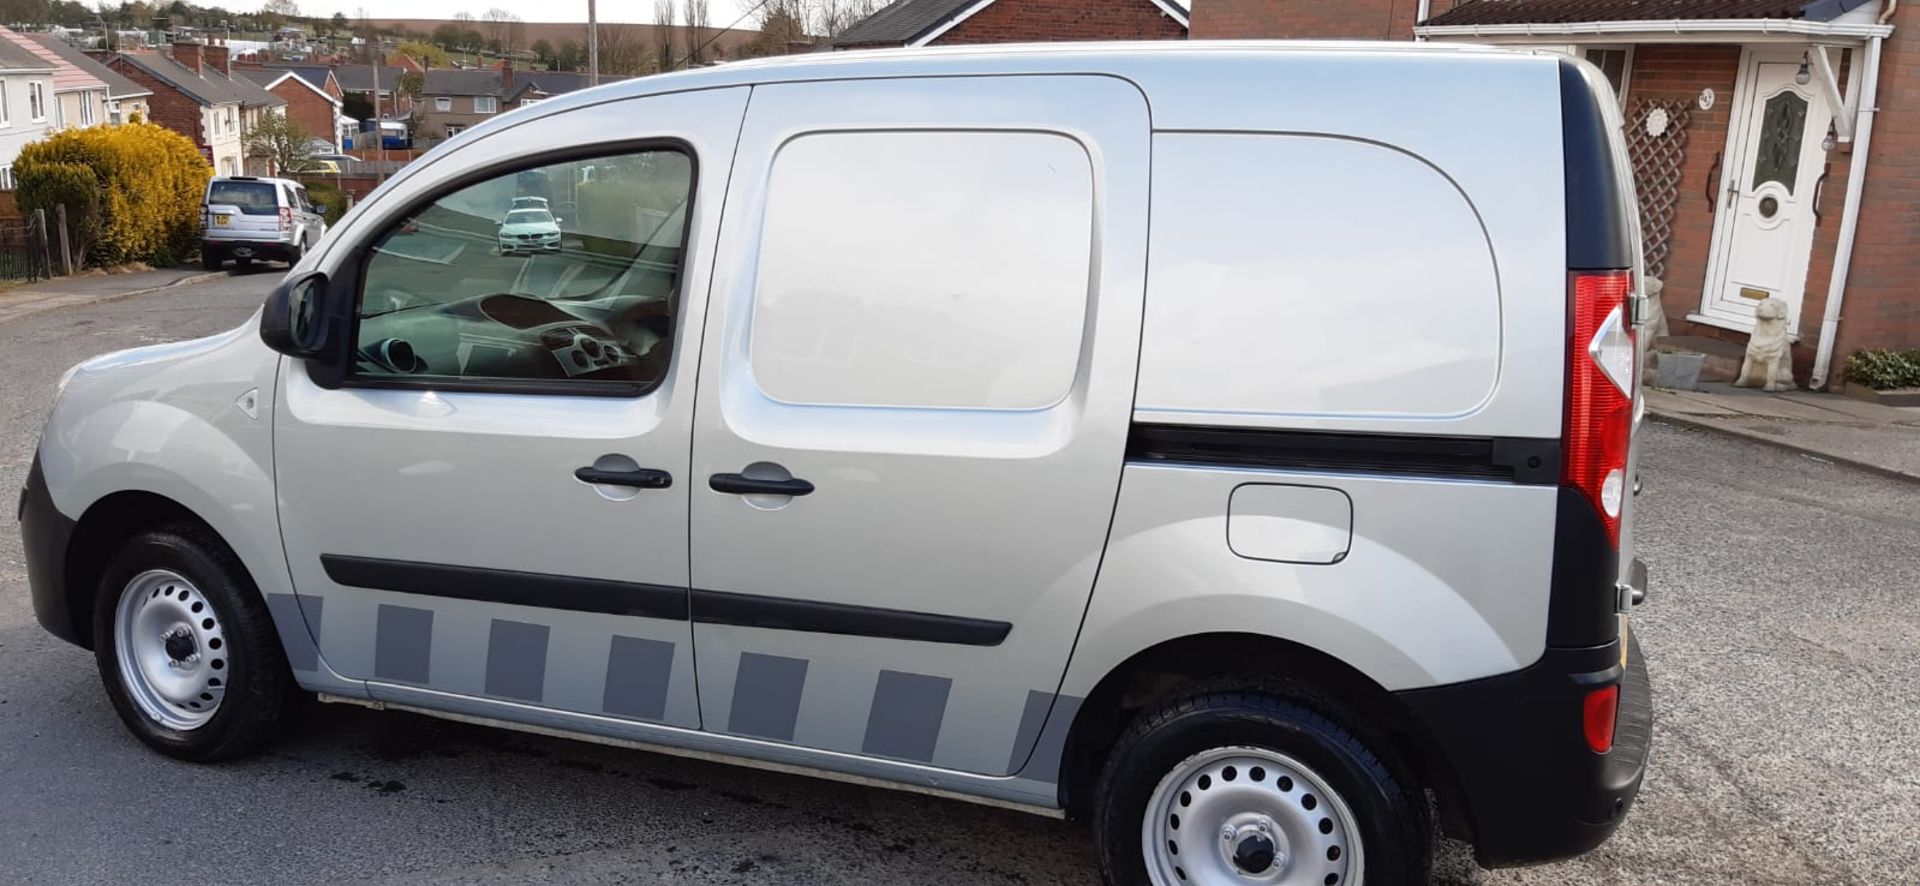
(1764, 232)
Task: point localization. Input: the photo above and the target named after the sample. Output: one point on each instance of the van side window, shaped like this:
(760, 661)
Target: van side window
(565, 273)
(924, 269)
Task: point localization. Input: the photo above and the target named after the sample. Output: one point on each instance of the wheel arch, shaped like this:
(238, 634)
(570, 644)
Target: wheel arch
(1164, 668)
(103, 528)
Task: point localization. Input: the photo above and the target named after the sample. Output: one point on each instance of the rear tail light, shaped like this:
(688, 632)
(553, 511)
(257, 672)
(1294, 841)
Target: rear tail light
(286, 219)
(1597, 714)
(1600, 367)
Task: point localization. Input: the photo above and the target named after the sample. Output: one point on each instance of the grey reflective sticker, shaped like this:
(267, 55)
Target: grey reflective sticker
(517, 660)
(1044, 765)
(637, 677)
(766, 695)
(905, 718)
(298, 619)
(1031, 718)
(402, 643)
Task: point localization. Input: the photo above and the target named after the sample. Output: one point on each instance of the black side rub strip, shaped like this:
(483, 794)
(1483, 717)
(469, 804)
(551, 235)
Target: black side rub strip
(1523, 460)
(780, 613)
(506, 586)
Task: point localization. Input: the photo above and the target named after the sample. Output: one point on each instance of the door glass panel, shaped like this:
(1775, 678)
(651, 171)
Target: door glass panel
(1777, 156)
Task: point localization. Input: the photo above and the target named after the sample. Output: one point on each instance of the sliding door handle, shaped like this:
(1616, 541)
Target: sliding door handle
(638, 478)
(741, 484)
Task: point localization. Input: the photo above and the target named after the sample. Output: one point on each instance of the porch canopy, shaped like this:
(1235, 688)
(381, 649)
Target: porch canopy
(1744, 21)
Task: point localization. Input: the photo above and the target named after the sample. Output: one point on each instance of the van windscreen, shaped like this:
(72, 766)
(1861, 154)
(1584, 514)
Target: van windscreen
(251, 198)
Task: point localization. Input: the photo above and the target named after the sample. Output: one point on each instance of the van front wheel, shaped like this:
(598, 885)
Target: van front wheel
(186, 648)
(1249, 783)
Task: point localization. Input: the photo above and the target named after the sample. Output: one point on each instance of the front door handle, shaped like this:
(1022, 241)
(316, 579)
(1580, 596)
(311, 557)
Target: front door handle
(638, 478)
(742, 484)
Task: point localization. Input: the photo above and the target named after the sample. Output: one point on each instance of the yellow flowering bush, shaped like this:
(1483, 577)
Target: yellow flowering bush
(151, 182)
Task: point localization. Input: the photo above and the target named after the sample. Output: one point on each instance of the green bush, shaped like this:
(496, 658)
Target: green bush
(151, 181)
(331, 200)
(1884, 370)
(50, 186)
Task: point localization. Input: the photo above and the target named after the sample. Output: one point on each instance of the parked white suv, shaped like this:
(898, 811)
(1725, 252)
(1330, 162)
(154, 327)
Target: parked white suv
(247, 218)
(1227, 443)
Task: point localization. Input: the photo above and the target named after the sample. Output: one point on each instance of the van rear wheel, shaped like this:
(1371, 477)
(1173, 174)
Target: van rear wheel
(1240, 782)
(186, 649)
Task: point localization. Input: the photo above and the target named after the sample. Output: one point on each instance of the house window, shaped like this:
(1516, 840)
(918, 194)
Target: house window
(37, 99)
(6, 177)
(485, 104)
(443, 104)
(5, 118)
(454, 129)
(1615, 62)
(86, 110)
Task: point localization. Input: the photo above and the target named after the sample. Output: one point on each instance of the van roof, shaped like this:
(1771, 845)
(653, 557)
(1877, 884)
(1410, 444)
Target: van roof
(1124, 58)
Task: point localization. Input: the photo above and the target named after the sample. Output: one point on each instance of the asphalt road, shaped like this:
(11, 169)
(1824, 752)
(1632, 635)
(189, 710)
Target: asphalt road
(1781, 635)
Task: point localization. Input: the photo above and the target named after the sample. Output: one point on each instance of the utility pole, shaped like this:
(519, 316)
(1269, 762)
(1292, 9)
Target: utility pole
(593, 46)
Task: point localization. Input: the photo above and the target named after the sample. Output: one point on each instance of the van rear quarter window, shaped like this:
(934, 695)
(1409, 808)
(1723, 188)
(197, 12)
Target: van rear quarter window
(1306, 275)
(924, 269)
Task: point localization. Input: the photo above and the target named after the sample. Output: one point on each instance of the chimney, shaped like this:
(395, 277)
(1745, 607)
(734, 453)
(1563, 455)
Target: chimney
(506, 75)
(188, 53)
(219, 58)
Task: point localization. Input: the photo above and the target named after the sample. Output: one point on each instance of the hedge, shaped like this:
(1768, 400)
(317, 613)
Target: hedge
(49, 186)
(331, 200)
(151, 182)
(1884, 370)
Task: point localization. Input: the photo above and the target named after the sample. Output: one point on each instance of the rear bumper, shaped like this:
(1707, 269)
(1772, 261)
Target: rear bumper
(1529, 788)
(44, 534)
(262, 247)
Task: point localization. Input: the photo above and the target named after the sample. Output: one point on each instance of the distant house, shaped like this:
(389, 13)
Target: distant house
(26, 104)
(312, 94)
(125, 99)
(196, 95)
(79, 98)
(363, 79)
(453, 100)
(949, 22)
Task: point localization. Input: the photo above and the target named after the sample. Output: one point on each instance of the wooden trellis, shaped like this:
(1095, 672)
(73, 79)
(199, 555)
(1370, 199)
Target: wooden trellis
(1656, 173)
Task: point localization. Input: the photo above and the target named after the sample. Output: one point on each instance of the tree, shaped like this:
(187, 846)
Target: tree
(339, 21)
(412, 83)
(543, 52)
(426, 54)
(358, 105)
(623, 51)
(695, 18)
(281, 142)
(782, 24)
(569, 56)
(663, 51)
(285, 9)
(831, 17)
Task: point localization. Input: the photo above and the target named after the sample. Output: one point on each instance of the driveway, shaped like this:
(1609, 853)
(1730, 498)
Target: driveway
(1781, 634)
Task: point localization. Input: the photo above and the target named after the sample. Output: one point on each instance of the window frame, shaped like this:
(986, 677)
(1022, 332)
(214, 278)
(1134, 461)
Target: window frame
(443, 104)
(1626, 65)
(37, 100)
(337, 371)
(6, 107)
(492, 106)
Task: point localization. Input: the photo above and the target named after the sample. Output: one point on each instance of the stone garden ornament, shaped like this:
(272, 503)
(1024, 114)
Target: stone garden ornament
(1768, 364)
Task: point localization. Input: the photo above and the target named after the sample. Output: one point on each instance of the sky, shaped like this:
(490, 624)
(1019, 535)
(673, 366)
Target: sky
(720, 12)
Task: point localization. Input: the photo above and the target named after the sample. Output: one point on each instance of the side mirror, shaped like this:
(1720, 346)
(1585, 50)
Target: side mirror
(294, 320)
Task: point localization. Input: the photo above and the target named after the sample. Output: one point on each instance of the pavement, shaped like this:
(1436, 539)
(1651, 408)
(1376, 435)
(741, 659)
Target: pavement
(1830, 427)
(93, 287)
(1780, 635)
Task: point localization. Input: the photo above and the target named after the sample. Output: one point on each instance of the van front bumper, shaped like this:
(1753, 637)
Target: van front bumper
(1526, 787)
(44, 534)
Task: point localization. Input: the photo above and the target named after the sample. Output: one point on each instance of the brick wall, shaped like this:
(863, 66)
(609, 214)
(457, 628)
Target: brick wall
(1323, 19)
(167, 106)
(308, 108)
(1883, 291)
(1680, 72)
(1013, 21)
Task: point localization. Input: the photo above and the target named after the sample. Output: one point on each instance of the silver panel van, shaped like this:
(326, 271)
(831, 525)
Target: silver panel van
(1230, 444)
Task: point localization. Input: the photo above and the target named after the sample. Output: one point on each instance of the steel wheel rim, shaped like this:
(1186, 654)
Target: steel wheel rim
(1209, 818)
(171, 646)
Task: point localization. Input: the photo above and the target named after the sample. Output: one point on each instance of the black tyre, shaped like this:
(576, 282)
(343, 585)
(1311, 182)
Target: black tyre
(186, 648)
(299, 252)
(1229, 781)
(209, 259)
